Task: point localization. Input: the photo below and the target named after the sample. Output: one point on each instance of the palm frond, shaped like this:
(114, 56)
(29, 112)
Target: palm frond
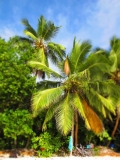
(41, 26)
(94, 121)
(101, 100)
(108, 89)
(50, 31)
(103, 96)
(113, 41)
(29, 34)
(28, 29)
(41, 56)
(91, 119)
(56, 50)
(64, 115)
(79, 54)
(109, 116)
(97, 64)
(114, 61)
(103, 111)
(43, 99)
(46, 29)
(26, 39)
(60, 66)
(115, 54)
(53, 57)
(77, 103)
(50, 113)
(43, 67)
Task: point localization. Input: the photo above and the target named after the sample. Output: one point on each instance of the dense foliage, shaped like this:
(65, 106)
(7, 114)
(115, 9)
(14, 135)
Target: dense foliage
(16, 123)
(16, 82)
(16, 88)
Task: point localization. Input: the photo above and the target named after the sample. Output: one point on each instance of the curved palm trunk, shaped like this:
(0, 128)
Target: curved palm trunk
(76, 128)
(115, 128)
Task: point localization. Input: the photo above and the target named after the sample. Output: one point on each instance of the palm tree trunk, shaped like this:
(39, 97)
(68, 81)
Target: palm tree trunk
(76, 128)
(115, 128)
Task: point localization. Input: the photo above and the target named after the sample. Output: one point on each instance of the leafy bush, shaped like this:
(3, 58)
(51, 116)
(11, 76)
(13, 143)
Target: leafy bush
(47, 144)
(16, 123)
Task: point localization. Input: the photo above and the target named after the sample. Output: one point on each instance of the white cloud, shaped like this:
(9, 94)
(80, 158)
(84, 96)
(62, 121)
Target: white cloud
(8, 32)
(100, 24)
(104, 20)
(49, 13)
(108, 13)
(64, 36)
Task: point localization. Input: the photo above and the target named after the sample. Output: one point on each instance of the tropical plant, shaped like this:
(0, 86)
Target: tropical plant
(41, 40)
(114, 57)
(83, 91)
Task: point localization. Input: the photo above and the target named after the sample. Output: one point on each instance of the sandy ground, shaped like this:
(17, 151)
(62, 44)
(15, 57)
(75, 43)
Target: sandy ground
(65, 158)
(104, 154)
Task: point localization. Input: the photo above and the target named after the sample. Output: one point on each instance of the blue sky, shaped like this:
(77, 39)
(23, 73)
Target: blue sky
(95, 20)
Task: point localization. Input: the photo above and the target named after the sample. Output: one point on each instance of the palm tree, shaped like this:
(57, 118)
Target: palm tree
(82, 91)
(114, 57)
(41, 40)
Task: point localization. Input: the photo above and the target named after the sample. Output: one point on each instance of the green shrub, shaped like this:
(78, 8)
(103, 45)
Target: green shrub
(47, 144)
(16, 123)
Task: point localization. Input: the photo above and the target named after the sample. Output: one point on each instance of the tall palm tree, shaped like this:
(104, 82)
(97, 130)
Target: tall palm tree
(114, 57)
(82, 91)
(41, 40)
